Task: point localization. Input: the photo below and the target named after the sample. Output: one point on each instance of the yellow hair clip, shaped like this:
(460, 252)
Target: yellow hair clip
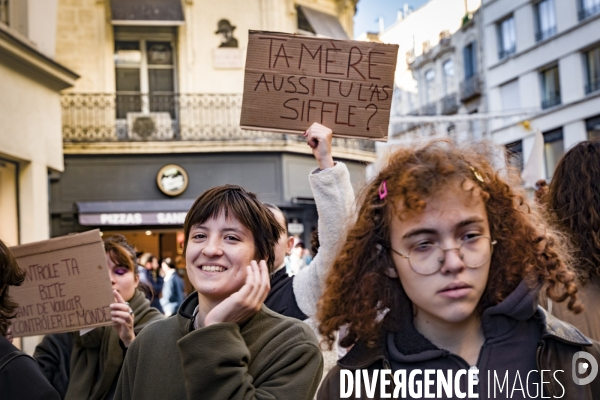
(477, 174)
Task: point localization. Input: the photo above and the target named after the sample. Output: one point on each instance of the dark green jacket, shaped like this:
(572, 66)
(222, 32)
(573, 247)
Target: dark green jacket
(268, 357)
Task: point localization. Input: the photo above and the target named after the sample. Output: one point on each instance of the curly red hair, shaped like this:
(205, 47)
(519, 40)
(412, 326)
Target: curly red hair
(357, 289)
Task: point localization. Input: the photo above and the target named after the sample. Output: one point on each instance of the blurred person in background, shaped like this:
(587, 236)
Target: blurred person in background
(295, 260)
(96, 357)
(172, 293)
(153, 278)
(20, 376)
(573, 201)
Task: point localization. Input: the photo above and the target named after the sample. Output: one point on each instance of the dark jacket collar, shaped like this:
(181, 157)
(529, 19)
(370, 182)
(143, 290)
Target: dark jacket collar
(185, 314)
(408, 345)
(279, 276)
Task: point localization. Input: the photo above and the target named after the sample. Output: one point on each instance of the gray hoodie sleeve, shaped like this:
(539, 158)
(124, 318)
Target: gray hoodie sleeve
(334, 197)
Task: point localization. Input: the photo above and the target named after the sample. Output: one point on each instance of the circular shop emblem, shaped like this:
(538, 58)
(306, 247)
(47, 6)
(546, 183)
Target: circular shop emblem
(172, 180)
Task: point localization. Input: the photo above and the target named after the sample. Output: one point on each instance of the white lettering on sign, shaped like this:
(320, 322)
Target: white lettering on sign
(174, 218)
(121, 219)
(173, 183)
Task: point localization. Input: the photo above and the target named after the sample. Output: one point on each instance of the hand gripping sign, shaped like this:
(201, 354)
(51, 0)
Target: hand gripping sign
(292, 81)
(67, 286)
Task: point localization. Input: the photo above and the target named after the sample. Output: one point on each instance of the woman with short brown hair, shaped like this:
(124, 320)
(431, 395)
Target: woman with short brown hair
(224, 343)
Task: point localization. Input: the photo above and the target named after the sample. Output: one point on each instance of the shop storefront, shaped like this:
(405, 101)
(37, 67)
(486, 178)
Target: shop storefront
(146, 197)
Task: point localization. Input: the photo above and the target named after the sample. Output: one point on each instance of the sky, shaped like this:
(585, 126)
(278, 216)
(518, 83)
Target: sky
(369, 11)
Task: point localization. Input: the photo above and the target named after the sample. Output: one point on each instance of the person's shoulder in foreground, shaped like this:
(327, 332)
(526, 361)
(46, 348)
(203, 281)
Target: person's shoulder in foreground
(268, 357)
(21, 377)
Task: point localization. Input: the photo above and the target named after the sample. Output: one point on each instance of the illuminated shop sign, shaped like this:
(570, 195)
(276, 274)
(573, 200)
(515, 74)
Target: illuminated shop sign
(132, 219)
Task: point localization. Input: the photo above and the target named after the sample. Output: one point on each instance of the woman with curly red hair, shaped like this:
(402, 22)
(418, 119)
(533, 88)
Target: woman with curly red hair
(442, 271)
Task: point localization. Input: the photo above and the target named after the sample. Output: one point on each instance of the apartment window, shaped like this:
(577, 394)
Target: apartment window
(550, 84)
(593, 127)
(587, 8)
(303, 25)
(507, 37)
(515, 154)
(4, 11)
(470, 60)
(145, 76)
(553, 150)
(429, 85)
(448, 67)
(592, 67)
(545, 20)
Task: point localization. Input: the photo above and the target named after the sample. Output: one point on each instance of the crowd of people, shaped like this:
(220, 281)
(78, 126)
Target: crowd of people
(443, 262)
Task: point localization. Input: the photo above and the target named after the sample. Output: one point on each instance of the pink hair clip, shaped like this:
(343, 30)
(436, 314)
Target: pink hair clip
(383, 192)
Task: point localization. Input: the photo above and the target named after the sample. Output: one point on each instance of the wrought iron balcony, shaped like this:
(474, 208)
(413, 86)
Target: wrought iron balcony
(450, 104)
(429, 109)
(592, 86)
(551, 100)
(588, 11)
(542, 35)
(503, 53)
(470, 88)
(110, 117)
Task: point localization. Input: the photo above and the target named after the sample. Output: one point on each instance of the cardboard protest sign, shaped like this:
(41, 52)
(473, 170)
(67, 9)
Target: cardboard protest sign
(292, 81)
(67, 286)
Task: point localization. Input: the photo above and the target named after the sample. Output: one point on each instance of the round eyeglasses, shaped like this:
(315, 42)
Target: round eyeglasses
(428, 258)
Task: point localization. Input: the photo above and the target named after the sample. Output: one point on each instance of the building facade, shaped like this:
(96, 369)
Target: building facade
(30, 120)
(544, 57)
(154, 119)
(451, 81)
(418, 33)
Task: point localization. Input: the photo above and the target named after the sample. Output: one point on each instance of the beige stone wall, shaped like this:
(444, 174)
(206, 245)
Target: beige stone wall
(85, 38)
(84, 43)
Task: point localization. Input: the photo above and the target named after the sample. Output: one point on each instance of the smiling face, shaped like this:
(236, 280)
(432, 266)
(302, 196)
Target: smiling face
(123, 279)
(451, 294)
(218, 251)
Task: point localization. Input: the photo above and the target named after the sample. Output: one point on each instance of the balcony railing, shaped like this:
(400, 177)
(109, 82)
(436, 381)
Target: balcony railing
(541, 35)
(450, 104)
(589, 11)
(108, 117)
(592, 86)
(551, 100)
(503, 53)
(470, 88)
(429, 109)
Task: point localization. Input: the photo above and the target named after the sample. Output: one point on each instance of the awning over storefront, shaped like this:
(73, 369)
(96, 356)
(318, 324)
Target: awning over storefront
(146, 12)
(325, 25)
(133, 213)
